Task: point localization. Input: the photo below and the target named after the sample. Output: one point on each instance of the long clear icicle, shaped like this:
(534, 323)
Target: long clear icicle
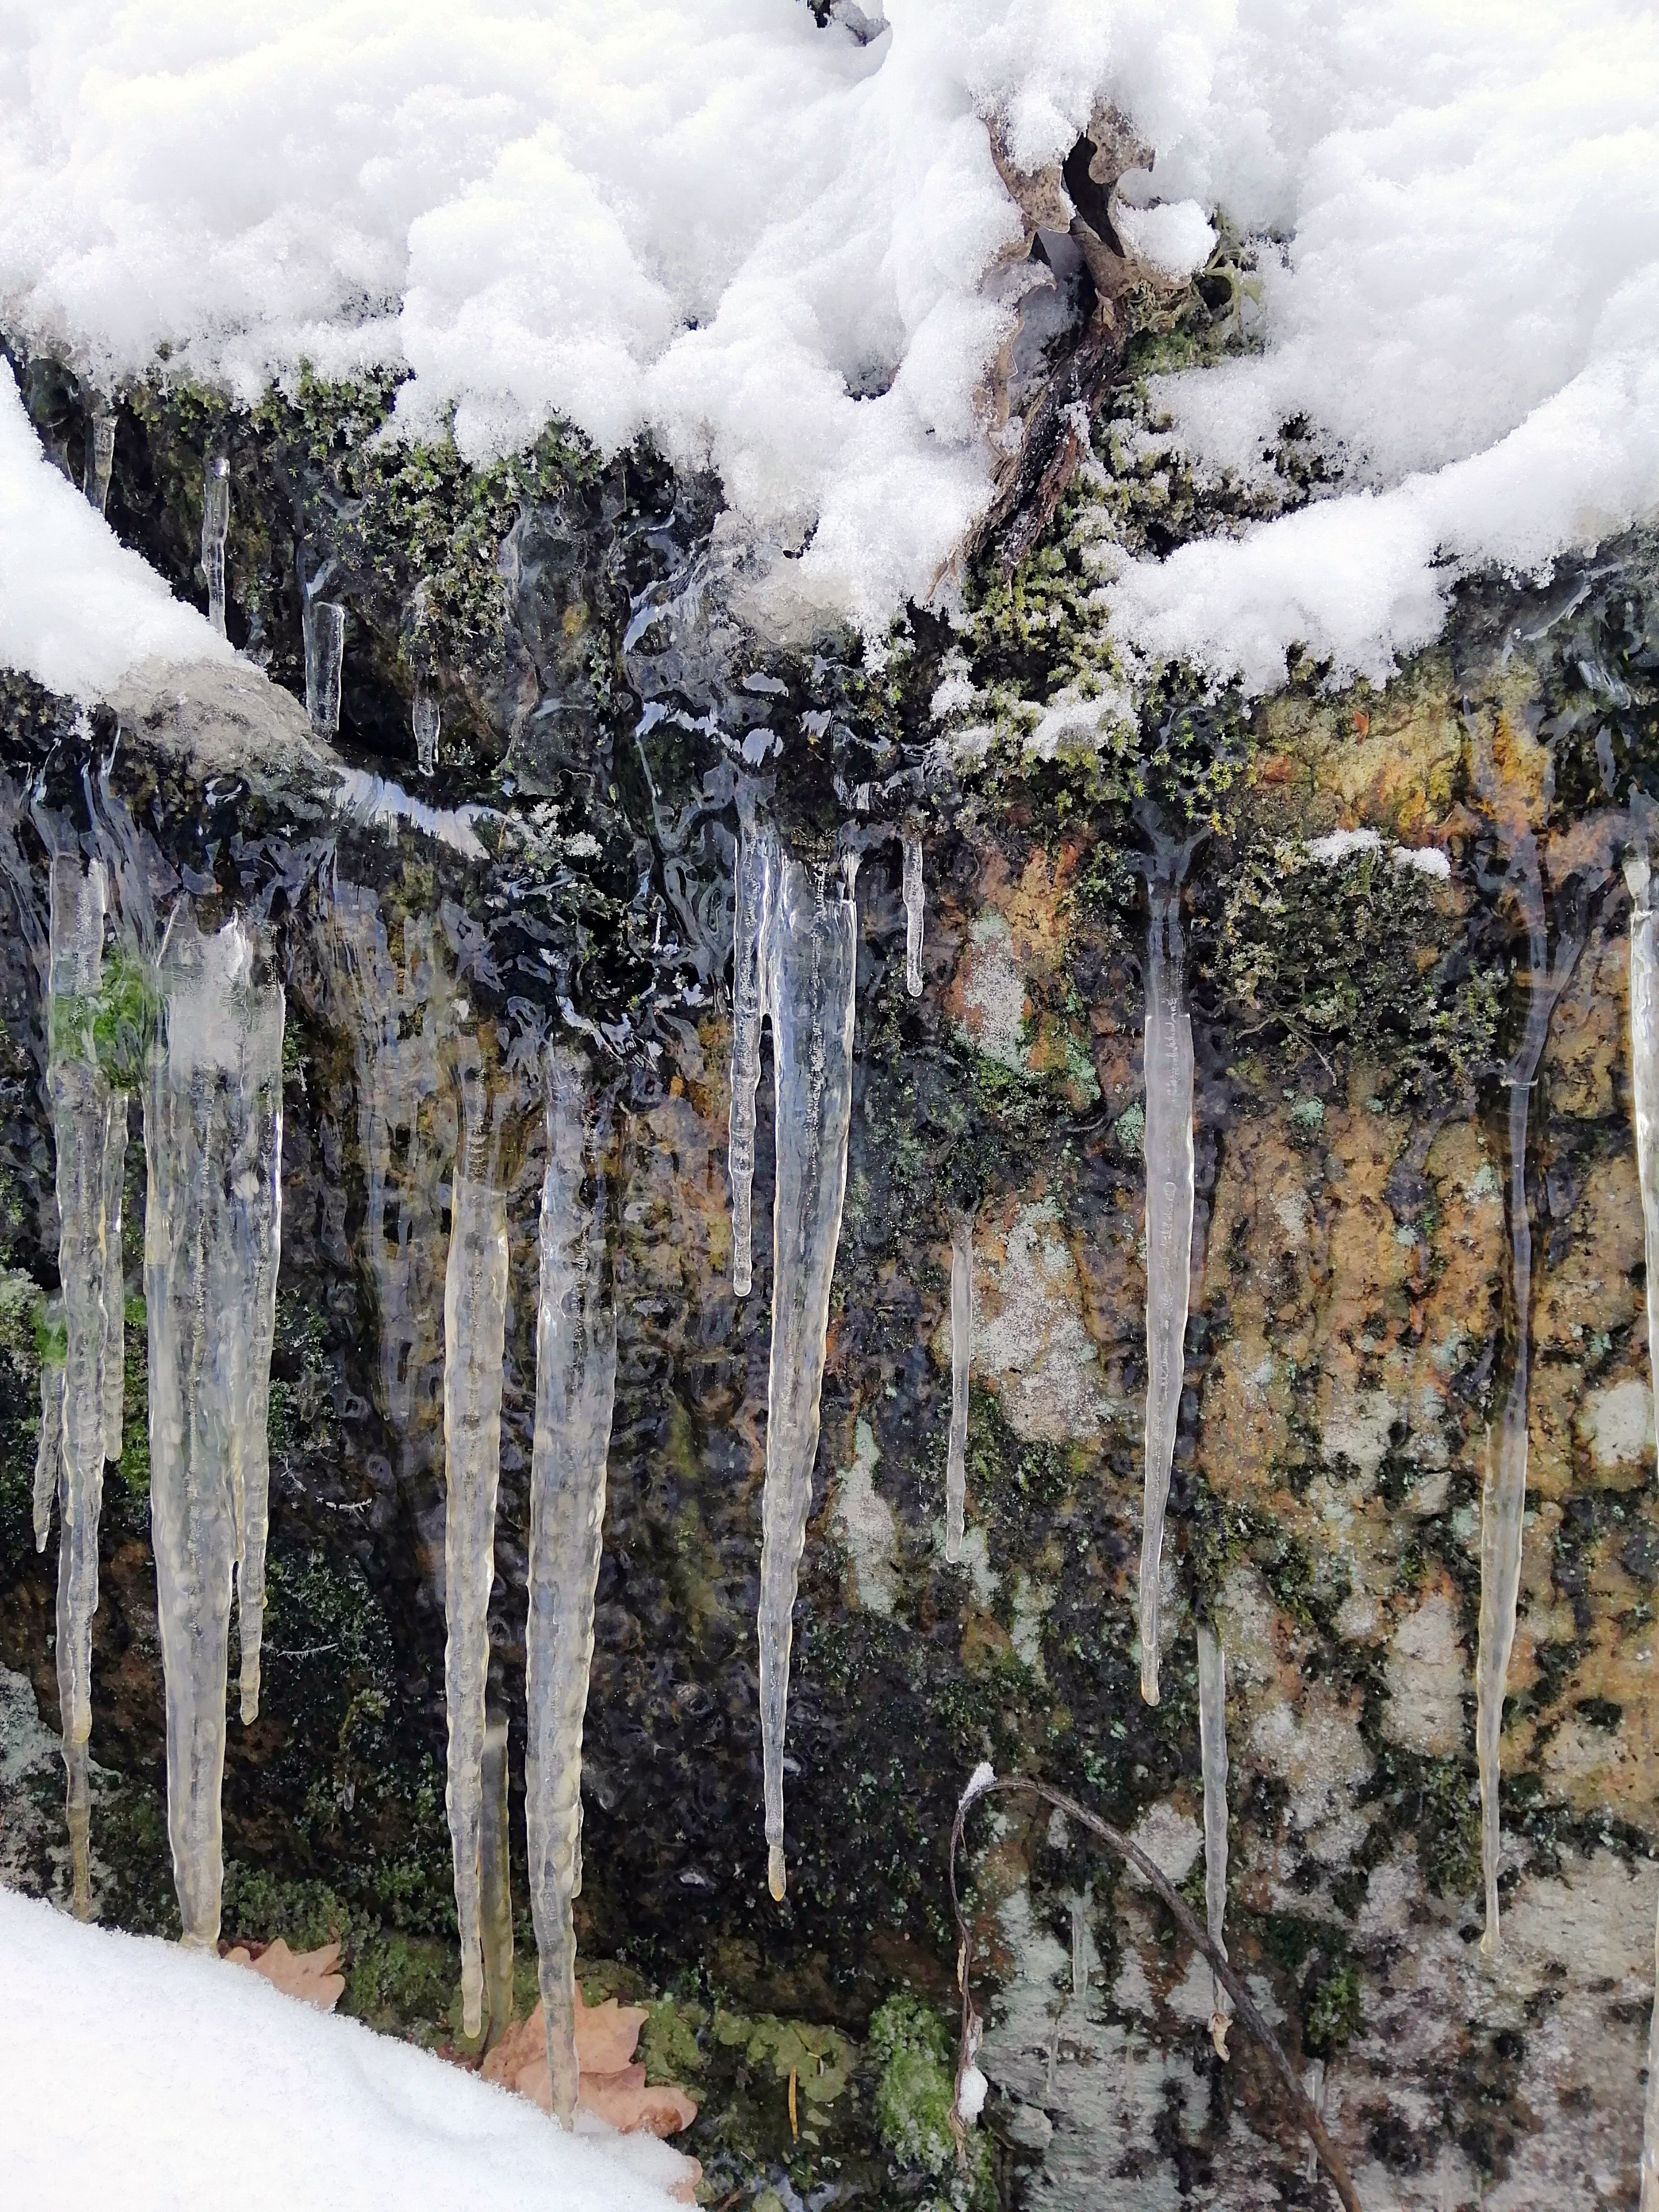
(1169, 1171)
(215, 525)
(575, 1385)
(212, 1139)
(1212, 1753)
(1503, 1490)
(755, 890)
(961, 1354)
(1644, 1102)
(475, 1329)
(915, 901)
(811, 966)
(83, 1111)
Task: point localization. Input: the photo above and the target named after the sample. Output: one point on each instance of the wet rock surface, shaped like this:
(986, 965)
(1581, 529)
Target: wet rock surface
(569, 869)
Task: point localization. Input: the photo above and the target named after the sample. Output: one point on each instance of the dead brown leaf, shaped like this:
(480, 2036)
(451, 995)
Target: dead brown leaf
(313, 1977)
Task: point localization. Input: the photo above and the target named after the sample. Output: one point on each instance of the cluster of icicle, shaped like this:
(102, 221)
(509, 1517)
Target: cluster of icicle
(212, 1119)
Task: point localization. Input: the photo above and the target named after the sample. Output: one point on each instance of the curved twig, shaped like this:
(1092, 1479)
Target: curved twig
(1244, 2005)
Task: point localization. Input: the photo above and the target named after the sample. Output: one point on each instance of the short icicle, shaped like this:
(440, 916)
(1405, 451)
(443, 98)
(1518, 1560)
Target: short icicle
(475, 1329)
(1212, 1753)
(1503, 1491)
(915, 902)
(212, 1140)
(1169, 1172)
(101, 455)
(84, 1112)
(325, 642)
(755, 889)
(961, 1354)
(427, 720)
(1644, 1101)
(215, 525)
(811, 964)
(575, 1384)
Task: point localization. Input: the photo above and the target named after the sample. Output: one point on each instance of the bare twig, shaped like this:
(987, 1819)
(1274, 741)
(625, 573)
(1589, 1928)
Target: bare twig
(1245, 2006)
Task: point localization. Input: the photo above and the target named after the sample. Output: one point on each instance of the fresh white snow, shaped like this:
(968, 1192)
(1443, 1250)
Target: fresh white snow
(177, 2079)
(770, 244)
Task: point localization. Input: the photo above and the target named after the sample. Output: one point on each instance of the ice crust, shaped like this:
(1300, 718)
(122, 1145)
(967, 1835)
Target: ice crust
(769, 243)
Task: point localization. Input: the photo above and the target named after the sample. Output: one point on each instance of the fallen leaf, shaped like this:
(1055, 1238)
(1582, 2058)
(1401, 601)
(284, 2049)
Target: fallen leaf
(310, 1976)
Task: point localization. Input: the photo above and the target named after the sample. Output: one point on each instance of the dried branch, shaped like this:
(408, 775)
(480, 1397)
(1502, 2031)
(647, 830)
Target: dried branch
(1120, 1847)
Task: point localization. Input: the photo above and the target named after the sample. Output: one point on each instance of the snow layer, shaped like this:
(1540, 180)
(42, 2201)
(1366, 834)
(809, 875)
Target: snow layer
(210, 2084)
(769, 242)
(78, 611)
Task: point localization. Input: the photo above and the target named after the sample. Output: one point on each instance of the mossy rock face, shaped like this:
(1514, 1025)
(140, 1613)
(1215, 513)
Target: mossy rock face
(1345, 1354)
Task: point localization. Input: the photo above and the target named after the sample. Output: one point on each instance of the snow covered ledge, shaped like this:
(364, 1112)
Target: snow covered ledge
(125, 2055)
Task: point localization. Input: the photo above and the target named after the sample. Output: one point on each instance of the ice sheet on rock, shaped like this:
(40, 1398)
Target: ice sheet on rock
(915, 905)
(962, 1353)
(1169, 1172)
(811, 966)
(1212, 1753)
(1503, 1490)
(215, 524)
(754, 893)
(575, 1385)
(212, 1140)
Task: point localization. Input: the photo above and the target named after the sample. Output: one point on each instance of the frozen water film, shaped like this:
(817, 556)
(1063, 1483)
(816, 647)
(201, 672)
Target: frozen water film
(915, 902)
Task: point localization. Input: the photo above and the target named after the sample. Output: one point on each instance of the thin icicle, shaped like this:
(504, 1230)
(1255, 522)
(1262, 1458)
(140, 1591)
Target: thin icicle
(810, 967)
(212, 1126)
(82, 1110)
(1644, 1100)
(1169, 1169)
(324, 638)
(962, 1353)
(915, 899)
(215, 525)
(495, 1883)
(755, 890)
(255, 1254)
(1079, 1950)
(475, 1326)
(575, 1386)
(101, 455)
(49, 1450)
(1212, 1753)
(115, 1287)
(1503, 1491)
(427, 720)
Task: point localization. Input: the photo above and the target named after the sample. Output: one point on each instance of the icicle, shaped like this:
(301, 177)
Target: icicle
(575, 1384)
(115, 1287)
(101, 455)
(427, 720)
(1503, 1491)
(914, 901)
(495, 1883)
(962, 1350)
(215, 523)
(474, 1326)
(811, 963)
(49, 1451)
(324, 633)
(1212, 1753)
(82, 1110)
(1079, 1950)
(212, 1136)
(755, 890)
(1170, 1169)
(1645, 1099)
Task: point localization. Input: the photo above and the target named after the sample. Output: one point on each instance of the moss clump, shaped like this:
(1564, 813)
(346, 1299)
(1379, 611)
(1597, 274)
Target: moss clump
(914, 2095)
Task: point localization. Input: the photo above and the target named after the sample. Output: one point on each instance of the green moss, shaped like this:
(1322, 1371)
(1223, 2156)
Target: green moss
(1330, 2011)
(913, 2096)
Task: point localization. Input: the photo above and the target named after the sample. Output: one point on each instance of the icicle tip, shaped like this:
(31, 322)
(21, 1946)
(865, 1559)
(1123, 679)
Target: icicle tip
(775, 1879)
